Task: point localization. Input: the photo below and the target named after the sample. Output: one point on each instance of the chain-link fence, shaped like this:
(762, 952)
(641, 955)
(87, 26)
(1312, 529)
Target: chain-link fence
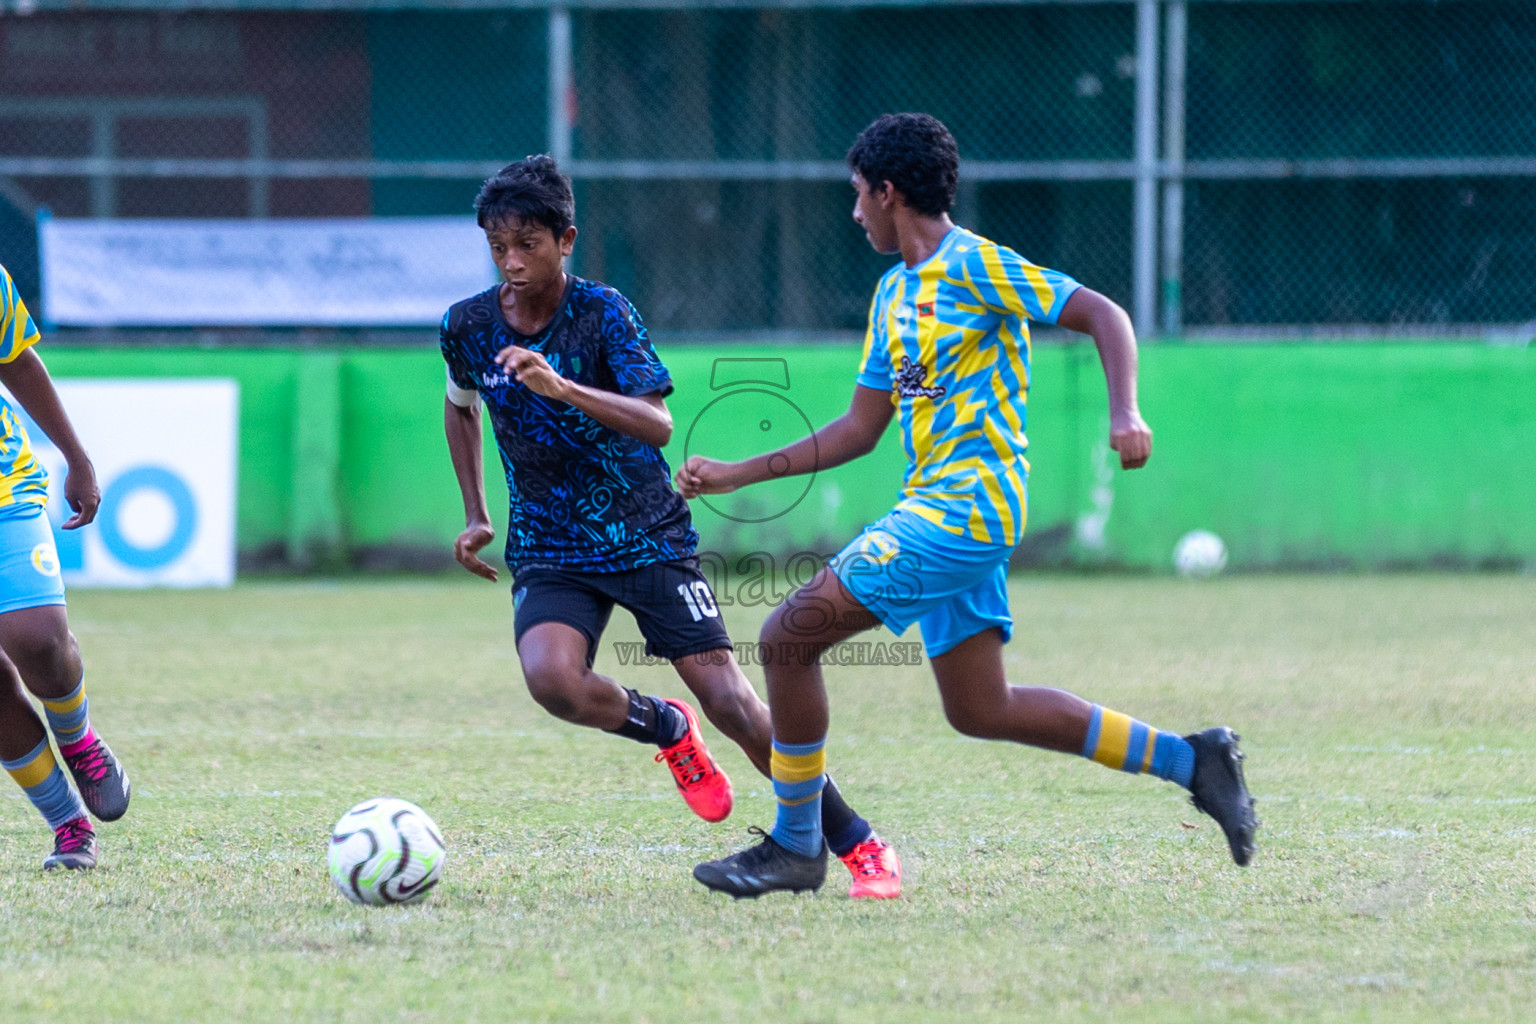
(1211, 165)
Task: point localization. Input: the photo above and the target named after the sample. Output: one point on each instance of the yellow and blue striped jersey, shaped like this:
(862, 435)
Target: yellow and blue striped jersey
(950, 339)
(23, 480)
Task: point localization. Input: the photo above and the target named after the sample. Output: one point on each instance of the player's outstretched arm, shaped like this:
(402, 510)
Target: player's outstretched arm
(27, 378)
(854, 433)
(461, 424)
(1088, 312)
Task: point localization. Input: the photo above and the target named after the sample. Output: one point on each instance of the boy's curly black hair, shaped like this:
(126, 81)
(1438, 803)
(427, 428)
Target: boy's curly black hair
(531, 191)
(915, 153)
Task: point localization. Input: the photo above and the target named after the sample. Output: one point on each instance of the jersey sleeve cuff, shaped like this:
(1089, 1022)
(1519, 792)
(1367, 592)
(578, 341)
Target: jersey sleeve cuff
(464, 398)
(662, 387)
(12, 353)
(1065, 291)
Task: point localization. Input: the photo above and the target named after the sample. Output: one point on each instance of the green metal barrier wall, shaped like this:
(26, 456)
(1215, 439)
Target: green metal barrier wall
(1359, 455)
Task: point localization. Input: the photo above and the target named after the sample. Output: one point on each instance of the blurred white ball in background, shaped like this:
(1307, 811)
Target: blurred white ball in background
(1199, 553)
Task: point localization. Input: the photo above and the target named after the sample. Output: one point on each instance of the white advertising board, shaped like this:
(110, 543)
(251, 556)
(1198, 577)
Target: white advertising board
(165, 454)
(353, 272)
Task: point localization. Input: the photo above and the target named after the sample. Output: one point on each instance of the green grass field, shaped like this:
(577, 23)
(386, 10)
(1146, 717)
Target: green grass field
(1390, 724)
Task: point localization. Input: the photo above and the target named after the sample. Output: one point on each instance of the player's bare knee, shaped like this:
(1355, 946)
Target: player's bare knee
(555, 687)
(730, 710)
(554, 699)
(971, 722)
(781, 646)
(49, 661)
(772, 634)
(796, 621)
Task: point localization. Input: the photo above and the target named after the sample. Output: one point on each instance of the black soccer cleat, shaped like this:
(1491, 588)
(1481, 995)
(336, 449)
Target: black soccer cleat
(1218, 789)
(74, 847)
(766, 867)
(100, 778)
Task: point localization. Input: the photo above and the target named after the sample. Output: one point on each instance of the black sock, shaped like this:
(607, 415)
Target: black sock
(840, 823)
(671, 726)
(652, 720)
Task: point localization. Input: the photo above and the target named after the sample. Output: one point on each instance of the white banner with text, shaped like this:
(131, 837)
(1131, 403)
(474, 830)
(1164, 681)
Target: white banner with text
(353, 272)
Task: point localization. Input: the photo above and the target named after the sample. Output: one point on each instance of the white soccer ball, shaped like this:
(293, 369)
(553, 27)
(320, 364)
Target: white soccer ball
(386, 851)
(1199, 553)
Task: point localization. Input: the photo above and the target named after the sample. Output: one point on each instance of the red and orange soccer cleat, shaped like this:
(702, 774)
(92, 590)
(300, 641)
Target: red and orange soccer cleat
(876, 870)
(705, 788)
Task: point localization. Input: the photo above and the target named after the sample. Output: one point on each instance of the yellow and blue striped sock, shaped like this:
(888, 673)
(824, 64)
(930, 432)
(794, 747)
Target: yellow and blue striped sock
(68, 716)
(40, 777)
(1122, 742)
(799, 772)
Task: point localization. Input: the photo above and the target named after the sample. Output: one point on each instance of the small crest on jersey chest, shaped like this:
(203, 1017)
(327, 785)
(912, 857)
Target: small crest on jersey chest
(910, 378)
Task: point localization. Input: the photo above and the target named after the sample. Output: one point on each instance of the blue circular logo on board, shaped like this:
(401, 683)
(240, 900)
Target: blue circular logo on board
(175, 490)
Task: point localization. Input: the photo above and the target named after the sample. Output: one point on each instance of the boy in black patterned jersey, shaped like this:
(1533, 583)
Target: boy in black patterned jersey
(576, 396)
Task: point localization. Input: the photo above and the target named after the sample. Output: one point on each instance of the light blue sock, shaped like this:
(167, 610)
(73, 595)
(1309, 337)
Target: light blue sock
(1173, 759)
(69, 715)
(40, 777)
(799, 773)
(1119, 741)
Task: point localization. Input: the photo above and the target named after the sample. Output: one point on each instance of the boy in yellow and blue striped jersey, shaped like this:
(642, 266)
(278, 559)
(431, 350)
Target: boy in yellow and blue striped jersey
(947, 350)
(38, 653)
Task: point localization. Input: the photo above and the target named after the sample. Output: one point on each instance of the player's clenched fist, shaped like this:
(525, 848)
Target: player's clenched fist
(530, 369)
(1132, 438)
(703, 476)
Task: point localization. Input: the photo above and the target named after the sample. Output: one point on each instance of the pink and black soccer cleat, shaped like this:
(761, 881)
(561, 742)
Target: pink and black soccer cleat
(74, 847)
(99, 777)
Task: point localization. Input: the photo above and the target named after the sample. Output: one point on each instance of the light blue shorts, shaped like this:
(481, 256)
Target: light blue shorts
(905, 569)
(29, 563)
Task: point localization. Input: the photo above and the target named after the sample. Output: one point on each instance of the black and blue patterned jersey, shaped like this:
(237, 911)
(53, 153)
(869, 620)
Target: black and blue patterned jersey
(581, 495)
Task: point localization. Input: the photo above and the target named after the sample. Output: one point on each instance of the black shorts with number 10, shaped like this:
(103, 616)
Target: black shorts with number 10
(671, 602)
